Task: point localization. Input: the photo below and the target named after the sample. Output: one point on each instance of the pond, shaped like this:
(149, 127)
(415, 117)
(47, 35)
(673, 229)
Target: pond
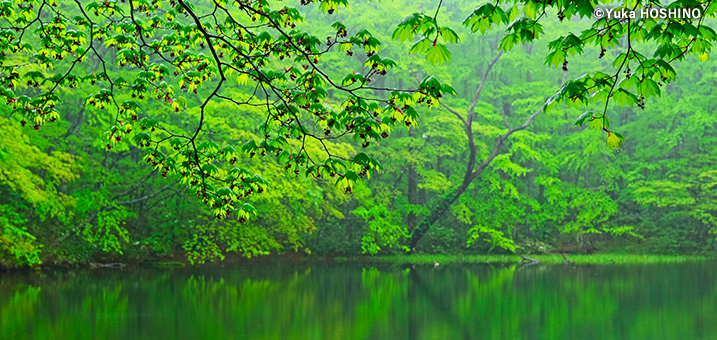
(359, 301)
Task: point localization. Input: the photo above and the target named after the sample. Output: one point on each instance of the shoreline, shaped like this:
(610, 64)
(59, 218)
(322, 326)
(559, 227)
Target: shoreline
(416, 259)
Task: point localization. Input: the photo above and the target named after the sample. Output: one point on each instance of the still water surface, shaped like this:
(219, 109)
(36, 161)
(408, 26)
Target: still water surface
(354, 301)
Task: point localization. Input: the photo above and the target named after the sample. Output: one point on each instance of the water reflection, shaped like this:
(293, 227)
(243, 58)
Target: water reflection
(289, 301)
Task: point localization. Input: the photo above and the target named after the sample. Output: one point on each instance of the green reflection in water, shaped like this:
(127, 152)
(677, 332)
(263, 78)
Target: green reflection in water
(299, 301)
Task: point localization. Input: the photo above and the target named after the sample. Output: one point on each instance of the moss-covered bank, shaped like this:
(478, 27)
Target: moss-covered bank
(556, 259)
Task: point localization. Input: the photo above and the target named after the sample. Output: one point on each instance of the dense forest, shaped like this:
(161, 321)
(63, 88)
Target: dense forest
(489, 169)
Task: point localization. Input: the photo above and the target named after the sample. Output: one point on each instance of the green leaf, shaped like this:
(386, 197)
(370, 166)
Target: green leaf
(648, 87)
(438, 54)
(624, 98)
(555, 58)
(449, 35)
(421, 45)
(614, 140)
(584, 117)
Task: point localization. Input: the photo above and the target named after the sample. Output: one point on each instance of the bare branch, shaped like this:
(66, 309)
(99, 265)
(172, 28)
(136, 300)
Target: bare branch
(146, 197)
(482, 82)
(501, 141)
(505, 119)
(527, 122)
(136, 185)
(469, 124)
(455, 113)
(527, 260)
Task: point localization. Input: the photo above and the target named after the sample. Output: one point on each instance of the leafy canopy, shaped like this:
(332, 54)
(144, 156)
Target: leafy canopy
(635, 73)
(181, 53)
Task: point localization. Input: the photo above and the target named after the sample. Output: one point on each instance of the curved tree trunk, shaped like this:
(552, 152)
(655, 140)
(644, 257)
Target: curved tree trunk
(435, 214)
(471, 170)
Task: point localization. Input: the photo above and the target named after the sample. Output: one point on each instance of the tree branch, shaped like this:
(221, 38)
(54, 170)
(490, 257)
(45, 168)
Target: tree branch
(482, 82)
(469, 122)
(455, 113)
(146, 197)
(505, 119)
(136, 185)
(501, 140)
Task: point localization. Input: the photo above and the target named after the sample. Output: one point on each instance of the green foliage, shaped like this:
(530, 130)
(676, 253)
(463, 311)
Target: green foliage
(221, 107)
(497, 237)
(17, 246)
(675, 39)
(29, 180)
(427, 28)
(185, 54)
(108, 233)
(385, 227)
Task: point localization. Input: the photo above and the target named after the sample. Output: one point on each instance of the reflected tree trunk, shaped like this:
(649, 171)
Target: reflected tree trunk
(412, 309)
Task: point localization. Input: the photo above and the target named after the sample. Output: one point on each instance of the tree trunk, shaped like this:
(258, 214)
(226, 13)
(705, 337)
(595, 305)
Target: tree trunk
(473, 169)
(411, 219)
(436, 213)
